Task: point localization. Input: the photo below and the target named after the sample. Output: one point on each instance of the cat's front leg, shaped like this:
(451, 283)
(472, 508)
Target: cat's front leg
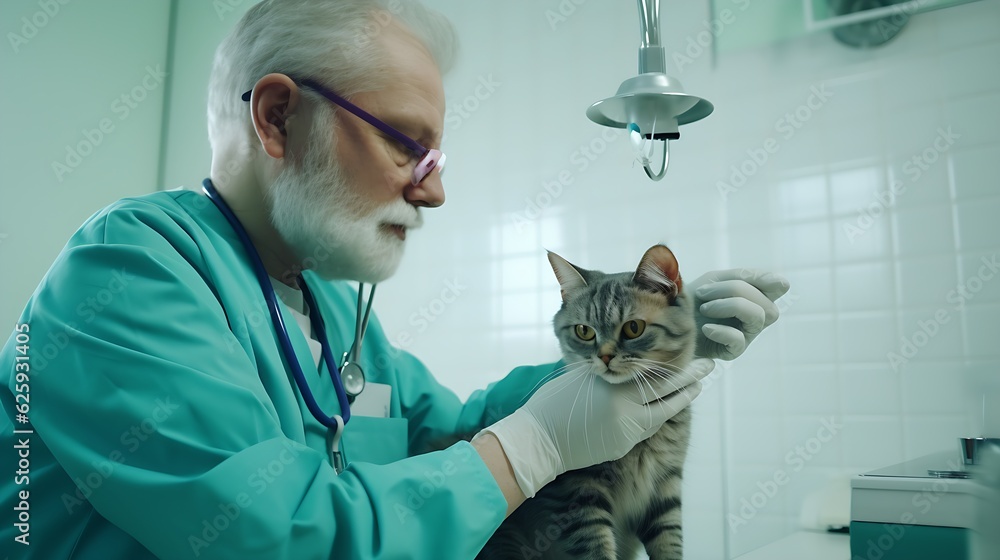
(584, 519)
(660, 531)
(591, 536)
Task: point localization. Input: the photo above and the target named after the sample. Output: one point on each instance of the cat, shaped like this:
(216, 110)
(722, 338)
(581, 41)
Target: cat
(620, 327)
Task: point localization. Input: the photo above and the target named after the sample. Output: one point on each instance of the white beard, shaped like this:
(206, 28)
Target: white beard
(332, 229)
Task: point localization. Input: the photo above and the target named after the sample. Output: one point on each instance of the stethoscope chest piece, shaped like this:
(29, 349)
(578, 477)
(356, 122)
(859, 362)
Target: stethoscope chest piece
(353, 379)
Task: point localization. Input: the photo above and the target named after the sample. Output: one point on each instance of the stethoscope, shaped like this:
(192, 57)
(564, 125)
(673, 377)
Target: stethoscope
(349, 378)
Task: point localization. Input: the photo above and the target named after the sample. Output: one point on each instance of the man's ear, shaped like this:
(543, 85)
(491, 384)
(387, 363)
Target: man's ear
(273, 100)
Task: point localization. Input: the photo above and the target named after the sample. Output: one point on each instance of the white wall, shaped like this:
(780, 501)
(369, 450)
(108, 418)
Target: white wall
(65, 78)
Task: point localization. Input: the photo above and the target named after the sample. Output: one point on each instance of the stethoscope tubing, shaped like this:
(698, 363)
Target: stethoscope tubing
(279, 324)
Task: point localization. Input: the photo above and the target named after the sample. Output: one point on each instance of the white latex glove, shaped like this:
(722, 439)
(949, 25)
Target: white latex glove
(578, 419)
(732, 307)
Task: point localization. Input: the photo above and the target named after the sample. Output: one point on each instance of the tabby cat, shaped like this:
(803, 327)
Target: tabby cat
(623, 327)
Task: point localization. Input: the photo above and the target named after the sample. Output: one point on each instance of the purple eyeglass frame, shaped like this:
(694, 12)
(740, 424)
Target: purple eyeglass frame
(429, 159)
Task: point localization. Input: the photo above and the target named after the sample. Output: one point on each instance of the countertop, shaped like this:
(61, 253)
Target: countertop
(804, 544)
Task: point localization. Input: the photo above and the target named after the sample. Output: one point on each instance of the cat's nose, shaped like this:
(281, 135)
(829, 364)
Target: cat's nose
(607, 358)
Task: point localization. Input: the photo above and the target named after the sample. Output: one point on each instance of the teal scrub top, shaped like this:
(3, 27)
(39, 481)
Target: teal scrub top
(164, 422)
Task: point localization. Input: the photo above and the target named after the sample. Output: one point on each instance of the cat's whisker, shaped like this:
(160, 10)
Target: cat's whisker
(665, 370)
(665, 365)
(642, 390)
(660, 368)
(557, 372)
(650, 384)
(671, 361)
(560, 373)
(590, 412)
(556, 385)
(572, 408)
(669, 365)
(659, 376)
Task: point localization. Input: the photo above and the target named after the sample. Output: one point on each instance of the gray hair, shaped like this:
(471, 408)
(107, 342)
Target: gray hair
(331, 41)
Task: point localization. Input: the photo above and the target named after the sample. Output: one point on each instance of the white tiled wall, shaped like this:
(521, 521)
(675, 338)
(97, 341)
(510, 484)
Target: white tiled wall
(855, 293)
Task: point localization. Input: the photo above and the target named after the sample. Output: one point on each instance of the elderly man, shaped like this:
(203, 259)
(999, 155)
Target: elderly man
(187, 412)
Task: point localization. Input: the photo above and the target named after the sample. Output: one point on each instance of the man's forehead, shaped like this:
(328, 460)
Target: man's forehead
(413, 93)
(409, 62)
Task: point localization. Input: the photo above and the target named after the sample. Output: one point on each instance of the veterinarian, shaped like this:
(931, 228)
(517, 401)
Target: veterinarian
(204, 383)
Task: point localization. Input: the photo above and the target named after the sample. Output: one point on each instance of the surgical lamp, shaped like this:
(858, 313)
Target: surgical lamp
(652, 105)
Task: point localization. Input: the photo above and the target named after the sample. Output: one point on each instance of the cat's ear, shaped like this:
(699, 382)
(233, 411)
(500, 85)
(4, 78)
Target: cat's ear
(658, 271)
(568, 275)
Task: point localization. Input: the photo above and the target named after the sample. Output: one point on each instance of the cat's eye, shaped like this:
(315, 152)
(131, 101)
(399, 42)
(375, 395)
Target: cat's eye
(633, 328)
(583, 332)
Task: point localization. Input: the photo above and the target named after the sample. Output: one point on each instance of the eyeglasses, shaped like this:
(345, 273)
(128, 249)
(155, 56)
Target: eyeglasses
(429, 159)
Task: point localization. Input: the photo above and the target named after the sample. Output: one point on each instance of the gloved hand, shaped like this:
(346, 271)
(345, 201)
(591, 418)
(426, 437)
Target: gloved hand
(732, 307)
(578, 419)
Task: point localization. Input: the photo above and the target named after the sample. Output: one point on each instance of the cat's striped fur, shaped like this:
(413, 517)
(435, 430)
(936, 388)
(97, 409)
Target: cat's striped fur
(607, 511)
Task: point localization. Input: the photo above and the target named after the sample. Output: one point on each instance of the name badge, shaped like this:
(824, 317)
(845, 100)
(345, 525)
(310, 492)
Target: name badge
(373, 401)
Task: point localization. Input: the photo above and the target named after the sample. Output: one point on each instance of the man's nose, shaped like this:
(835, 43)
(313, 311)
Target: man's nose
(428, 193)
